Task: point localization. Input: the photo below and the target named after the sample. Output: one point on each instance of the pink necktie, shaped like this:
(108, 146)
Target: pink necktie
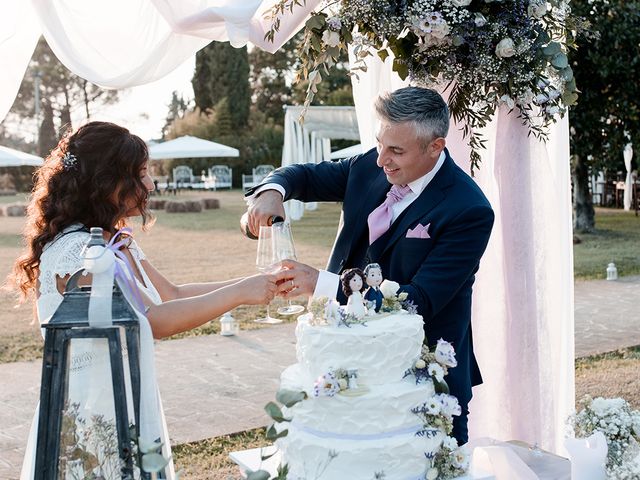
(380, 219)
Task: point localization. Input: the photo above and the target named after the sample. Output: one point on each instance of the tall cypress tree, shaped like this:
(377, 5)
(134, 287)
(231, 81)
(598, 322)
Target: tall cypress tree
(223, 71)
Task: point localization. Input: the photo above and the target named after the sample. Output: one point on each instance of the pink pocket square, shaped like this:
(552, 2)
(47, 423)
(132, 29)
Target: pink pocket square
(420, 231)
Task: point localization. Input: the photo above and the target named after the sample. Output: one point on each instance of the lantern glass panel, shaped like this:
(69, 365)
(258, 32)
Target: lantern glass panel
(89, 440)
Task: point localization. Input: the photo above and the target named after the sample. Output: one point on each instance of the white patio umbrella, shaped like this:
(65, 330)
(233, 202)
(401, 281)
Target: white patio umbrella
(190, 147)
(15, 158)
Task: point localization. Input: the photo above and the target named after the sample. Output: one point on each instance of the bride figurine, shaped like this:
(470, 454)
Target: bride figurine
(352, 286)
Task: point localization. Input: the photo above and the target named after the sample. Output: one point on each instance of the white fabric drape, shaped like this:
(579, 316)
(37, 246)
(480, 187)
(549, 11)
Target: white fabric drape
(523, 295)
(310, 141)
(628, 184)
(124, 43)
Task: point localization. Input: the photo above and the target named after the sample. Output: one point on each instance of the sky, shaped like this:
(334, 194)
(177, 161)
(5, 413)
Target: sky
(143, 109)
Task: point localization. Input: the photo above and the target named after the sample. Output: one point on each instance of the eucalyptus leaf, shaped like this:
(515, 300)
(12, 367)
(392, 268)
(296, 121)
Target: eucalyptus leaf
(316, 21)
(567, 74)
(441, 387)
(458, 40)
(560, 61)
(552, 49)
(383, 54)
(274, 411)
(258, 475)
(153, 462)
(290, 397)
(273, 434)
(400, 68)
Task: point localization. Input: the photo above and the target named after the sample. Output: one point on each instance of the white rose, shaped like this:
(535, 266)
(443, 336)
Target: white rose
(461, 3)
(537, 9)
(389, 288)
(505, 48)
(420, 364)
(480, 20)
(553, 94)
(331, 38)
(403, 296)
(541, 98)
(342, 383)
(445, 354)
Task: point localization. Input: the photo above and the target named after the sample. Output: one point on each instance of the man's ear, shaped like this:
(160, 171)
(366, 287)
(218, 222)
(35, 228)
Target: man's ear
(437, 145)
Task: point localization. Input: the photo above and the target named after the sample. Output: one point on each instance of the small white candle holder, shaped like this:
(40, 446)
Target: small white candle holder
(612, 271)
(228, 325)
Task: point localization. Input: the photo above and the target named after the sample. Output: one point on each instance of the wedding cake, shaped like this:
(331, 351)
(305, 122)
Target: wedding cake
(365, 415)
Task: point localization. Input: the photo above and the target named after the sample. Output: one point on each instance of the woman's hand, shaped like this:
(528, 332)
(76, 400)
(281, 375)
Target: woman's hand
(260, 289)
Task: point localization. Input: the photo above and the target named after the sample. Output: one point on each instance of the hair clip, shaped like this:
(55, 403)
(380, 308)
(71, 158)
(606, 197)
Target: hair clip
(69, 161)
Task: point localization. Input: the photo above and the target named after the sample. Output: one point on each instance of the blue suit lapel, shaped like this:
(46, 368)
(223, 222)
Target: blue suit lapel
(431, 196)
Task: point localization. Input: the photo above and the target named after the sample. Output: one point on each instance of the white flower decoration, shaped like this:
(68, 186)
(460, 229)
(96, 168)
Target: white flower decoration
(420, 364)
(445, 354)
(505, 48)
(508, 101)
(537, 8)
(331, 38)
(435, 370)
(432, 473)
(480, 20)
(461, 3)
(389, 288)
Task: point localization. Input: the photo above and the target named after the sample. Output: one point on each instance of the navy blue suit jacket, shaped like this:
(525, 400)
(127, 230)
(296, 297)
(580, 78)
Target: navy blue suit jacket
(437, 272)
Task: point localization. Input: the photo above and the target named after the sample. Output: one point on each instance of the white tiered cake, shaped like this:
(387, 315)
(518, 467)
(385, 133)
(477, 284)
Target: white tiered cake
(365, 431)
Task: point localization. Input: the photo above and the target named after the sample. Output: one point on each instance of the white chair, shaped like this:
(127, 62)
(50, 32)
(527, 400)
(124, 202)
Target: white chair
(259, 174)
(182, 176)
(220, 176)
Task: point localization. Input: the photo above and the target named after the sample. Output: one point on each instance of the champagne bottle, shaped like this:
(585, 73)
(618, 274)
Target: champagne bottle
(244, 224)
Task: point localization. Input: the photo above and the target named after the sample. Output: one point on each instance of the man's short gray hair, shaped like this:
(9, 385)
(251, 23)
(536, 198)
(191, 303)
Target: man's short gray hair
(423, 107)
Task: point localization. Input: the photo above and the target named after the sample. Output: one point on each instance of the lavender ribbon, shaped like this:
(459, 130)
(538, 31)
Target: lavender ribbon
(128, 277)
(100, 302)
(352, 436)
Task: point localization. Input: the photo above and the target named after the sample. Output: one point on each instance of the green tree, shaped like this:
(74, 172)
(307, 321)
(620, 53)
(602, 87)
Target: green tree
(607, 116)
(58, 89)
(177, 109)
(223, 71)
(47, 136)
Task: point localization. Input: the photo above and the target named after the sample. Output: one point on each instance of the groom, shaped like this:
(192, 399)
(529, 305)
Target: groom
(407, 207)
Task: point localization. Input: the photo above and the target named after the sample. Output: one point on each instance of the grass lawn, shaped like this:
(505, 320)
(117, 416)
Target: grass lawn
(616, 239)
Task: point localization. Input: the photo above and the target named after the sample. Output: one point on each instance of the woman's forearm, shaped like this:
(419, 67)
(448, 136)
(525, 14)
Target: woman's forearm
(194, 289)
(183, 314)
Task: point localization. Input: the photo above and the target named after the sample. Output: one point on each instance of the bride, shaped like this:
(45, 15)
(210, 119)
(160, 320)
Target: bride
(97, 177)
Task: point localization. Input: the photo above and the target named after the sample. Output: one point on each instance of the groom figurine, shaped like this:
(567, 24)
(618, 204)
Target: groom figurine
(407, 207)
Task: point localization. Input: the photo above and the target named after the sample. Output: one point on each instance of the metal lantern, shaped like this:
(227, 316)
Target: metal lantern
(90, 393)
(228, 325)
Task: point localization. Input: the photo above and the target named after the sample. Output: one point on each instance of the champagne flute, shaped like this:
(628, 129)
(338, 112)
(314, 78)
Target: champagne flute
(266, 263)
(284, 250)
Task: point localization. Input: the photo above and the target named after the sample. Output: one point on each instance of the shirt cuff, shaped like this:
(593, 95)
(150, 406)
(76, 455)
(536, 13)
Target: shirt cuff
(268, 186)
(327, 284)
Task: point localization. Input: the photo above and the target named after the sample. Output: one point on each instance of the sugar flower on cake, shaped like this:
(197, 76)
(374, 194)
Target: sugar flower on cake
(436, 371)
(326, 385)
(449, 404)
(445, 354)
(389, 288)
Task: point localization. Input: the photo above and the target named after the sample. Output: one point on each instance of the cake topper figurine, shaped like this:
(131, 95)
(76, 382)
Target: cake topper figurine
(373, 277)
(352, 379)
(352, 286)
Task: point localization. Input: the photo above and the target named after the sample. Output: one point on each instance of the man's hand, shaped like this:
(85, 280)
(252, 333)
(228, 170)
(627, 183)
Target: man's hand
(264, 206)
(300, 279)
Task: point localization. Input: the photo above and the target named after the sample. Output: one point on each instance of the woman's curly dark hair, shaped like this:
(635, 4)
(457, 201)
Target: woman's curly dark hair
(346, 277)
(96, 190)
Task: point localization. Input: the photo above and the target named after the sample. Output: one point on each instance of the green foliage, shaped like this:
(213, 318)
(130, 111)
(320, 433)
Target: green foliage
(47, 137)
(606, 68)
(58, 87)
(223, 72)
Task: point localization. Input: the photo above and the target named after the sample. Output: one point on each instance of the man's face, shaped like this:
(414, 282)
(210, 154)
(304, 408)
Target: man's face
(402, 155)
(374, 277)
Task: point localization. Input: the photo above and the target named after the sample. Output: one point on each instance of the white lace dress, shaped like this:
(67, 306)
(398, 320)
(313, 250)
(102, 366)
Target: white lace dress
(88, 359)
